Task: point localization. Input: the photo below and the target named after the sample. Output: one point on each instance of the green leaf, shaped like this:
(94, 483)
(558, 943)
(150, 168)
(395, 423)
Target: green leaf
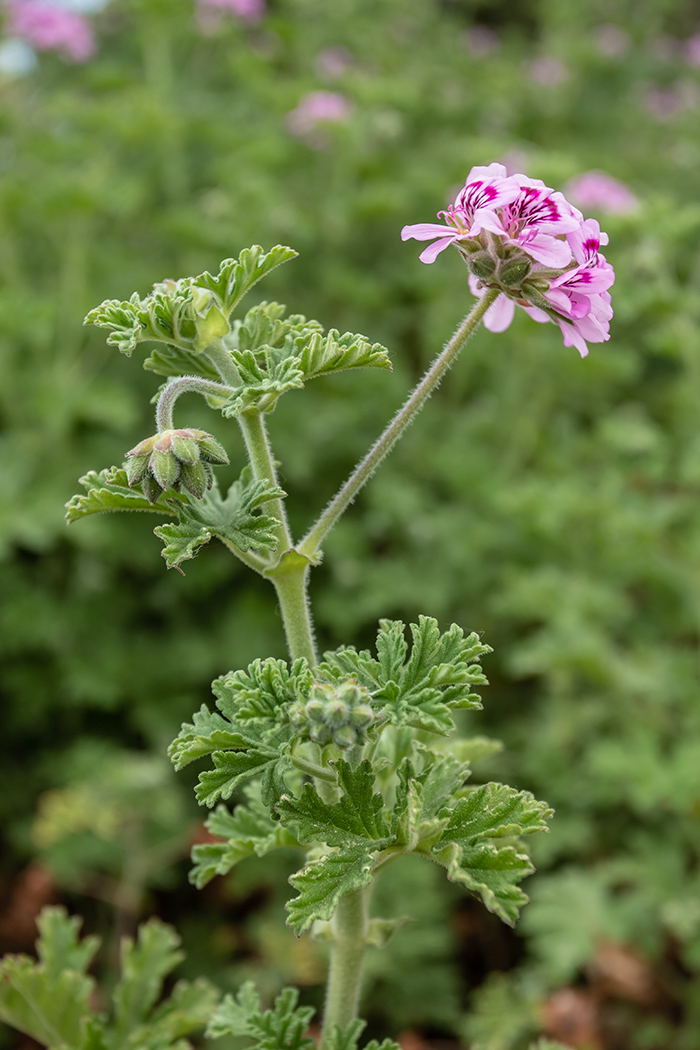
(495, 811)
(261, 691)
(490, 872)
(167, 360)
(145, 964)
(208, 732)
(248, 831)
(109, 490)
(58, 946)
(165, 315)
(49, 1000)
(492, 811)
(282, 1028)
(358, 817)
(261, 387)
(237, 276)
(322, 882)
(189, 1006)
(232, 768)
(321, 355)
(355, 824)
(234, 520)
(347, 1038)
(420, 691)
(274, 354)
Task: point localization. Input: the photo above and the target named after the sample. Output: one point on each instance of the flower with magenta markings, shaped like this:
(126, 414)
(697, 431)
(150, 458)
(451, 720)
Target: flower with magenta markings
(527, 241)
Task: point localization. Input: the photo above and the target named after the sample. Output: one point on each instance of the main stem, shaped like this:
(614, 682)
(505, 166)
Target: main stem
(366, 467)
(350, 926)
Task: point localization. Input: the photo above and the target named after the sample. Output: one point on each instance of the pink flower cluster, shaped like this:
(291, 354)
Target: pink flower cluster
(318, 107)
(525, 240)
(48, 27)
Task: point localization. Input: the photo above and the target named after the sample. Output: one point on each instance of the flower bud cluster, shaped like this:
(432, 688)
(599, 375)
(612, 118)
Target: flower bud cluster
(174, 459)
(340, 714)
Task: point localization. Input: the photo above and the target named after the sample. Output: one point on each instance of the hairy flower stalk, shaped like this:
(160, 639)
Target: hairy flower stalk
(524, 240)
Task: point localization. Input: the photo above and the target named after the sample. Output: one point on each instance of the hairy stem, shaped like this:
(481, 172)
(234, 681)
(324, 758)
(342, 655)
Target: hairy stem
(290, 577)
(176, 387)
(350, 926)
(366, 467)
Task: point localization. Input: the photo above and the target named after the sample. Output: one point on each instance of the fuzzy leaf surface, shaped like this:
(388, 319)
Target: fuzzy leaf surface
(348, 1038)
(467, 850)
(355, 825)
(281, 1028)
(235, 520)
(357, 818)
(262, 690)
(323, 882)
(237, 276)
(109, 490)
(419, 688)
(248, 830)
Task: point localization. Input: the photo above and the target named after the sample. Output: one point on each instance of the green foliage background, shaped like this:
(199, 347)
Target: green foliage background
(551, 504)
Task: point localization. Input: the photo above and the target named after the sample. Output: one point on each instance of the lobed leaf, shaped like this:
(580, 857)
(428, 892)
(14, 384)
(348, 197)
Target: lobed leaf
(109, 491)
(357, 818)
(145, 963)
(262, 690)
(237, 276)
(248, 831)
(281, 1028)
(418, 691)
(50, 1000)
(321, 355)
(491, 872)
(232, 768)
(322, 882)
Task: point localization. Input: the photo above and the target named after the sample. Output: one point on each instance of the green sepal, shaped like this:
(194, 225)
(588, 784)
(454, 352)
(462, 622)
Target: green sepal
(195, 478)
(110, 490)
(165, 468)
(382, 930)
(248, 831)
(281, 1028)
(419, 689)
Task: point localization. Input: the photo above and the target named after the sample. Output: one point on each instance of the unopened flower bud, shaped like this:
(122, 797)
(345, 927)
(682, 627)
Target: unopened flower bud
(361, 716)
(174, 459)
(164, 467)
(512, 274)
(336, 712)
(320, 733)
(482, 264)
(344, 737)
(314, 710)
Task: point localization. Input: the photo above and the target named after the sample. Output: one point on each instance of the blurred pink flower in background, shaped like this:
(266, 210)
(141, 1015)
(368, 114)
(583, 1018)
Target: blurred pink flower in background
(48, 27)
(246, 10)
(669, 102)
(691, 47)
(611, 40)
(596, 190)
(481, 41)
(317, 108)
(548, 71)
(332, 62)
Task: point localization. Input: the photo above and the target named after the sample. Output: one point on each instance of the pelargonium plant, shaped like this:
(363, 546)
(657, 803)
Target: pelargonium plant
(351, 757)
